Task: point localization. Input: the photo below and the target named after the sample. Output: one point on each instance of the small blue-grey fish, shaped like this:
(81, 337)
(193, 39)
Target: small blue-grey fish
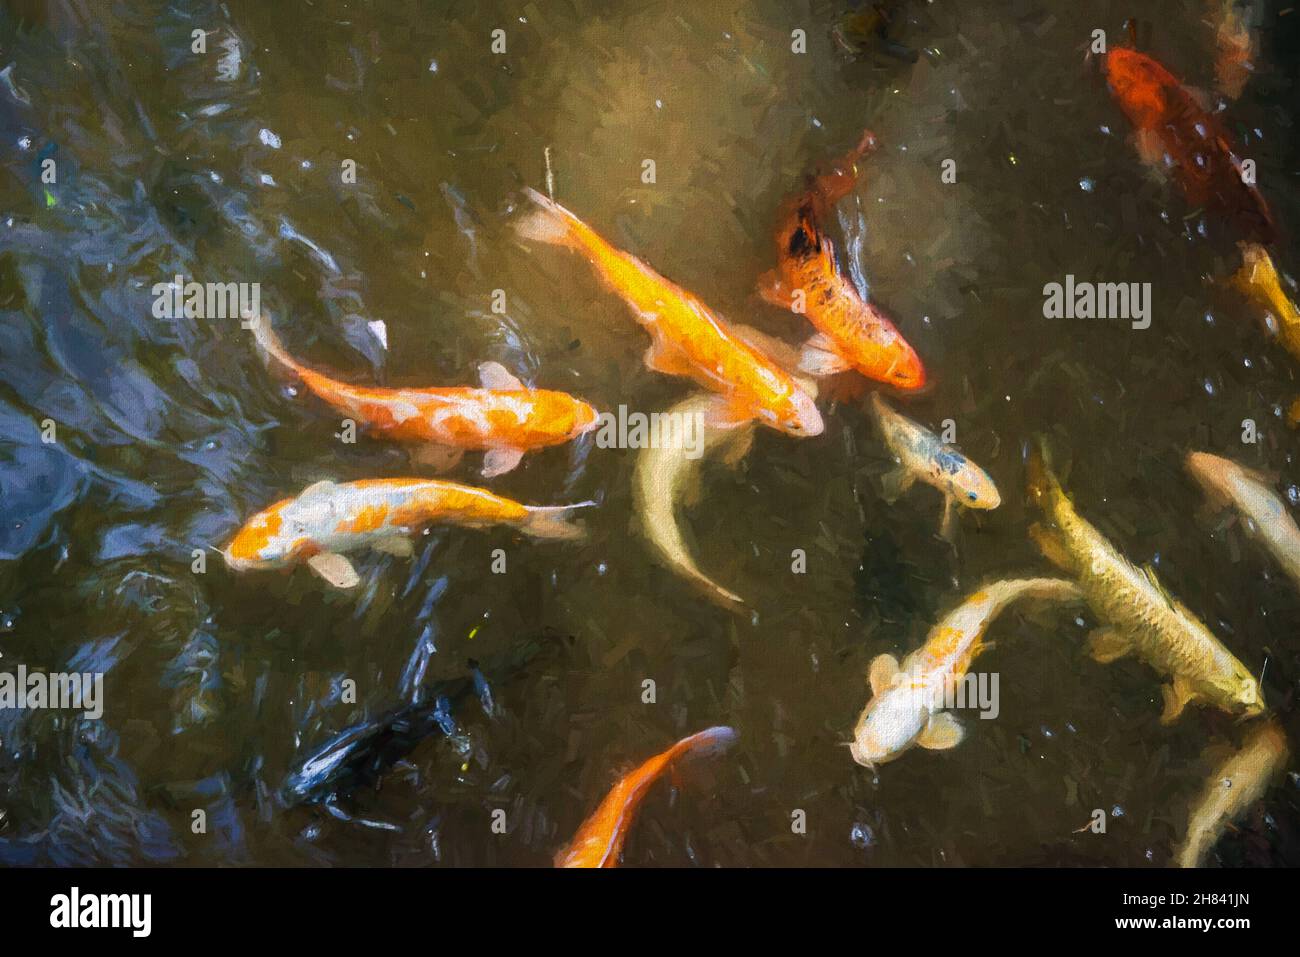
(921, 454)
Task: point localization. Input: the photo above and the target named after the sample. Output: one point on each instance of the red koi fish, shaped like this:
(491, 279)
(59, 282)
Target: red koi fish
(1177, 134)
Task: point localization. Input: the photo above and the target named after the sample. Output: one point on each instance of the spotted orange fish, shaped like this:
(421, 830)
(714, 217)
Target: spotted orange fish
(505, 419)
(689, 339)
(599, 841)
(328, 519)
(1177, 134)
(852, 333)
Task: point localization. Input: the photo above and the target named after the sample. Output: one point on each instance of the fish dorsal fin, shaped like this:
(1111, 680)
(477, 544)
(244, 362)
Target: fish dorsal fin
(882, 674)
(397, 545)
(1150, 574)
(943, 732)
(494, 375)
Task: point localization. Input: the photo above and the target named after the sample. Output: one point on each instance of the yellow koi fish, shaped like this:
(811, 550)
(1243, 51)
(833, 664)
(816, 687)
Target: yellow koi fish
(667, 476)
(922, 455)
(688, 338)
(329, 519)
(907, 700)
(1259, 282)
(1138, 616)
(1251, 494)
(1235, 785)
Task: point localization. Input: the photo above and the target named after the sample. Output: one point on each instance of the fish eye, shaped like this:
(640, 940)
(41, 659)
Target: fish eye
(972, 496)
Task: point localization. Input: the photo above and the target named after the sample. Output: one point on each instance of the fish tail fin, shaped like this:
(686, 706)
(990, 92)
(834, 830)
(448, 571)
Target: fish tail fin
(554, 521)
(268, 343)
(710, 741)
(549, 222)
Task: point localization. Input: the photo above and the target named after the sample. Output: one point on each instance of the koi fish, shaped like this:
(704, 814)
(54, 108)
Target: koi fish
(851, 332)
(688, 338)
(1177, 134)
(923, 455)
(667, 475)
(504, 418)
(1258, 281)
(328, 519)
(907, 700)
(1235, 42)
(1233, 787)
(1251, 494)
(599, 840)
(1138, 616)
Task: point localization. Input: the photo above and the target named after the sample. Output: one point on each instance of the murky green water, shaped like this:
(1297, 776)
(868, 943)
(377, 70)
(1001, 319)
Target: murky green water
(225, 166)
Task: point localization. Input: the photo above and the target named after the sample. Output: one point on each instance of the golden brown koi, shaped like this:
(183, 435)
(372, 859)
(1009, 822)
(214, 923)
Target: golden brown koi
(1138, 616)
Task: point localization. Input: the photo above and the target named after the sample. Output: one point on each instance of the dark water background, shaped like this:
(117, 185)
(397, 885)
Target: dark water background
(170, 431)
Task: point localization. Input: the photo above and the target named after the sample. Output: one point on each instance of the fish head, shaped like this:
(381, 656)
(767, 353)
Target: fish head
(1138, 83)
(1215, 474)
(798, 415)
(890, 724)
(271, 538)
(1246, 693)
(968, 484)
(907, 373)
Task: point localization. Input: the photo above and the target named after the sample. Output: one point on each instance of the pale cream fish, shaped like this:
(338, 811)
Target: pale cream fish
(1234, 787)
(922, 455)
(668, 476)
(1251, 494)
(907, 700)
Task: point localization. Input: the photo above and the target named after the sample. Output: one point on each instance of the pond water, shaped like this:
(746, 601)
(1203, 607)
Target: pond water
(227, 166)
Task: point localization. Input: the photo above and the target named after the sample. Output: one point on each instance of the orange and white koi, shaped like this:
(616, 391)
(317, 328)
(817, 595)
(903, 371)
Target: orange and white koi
(504, 418)
(599, 840)
(329, 519)
(689, 339)
(905, 707)
(852, 333)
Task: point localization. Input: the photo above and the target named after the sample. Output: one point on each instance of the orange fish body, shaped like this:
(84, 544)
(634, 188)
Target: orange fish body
(688, 338)
(1177, 134)
(329, 519)
(505, 419)
(599, 840)
(852, 333)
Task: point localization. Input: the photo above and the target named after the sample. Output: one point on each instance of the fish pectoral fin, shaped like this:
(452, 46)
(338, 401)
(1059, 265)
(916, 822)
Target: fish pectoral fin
(723, 414)
(662, 356)
(819, 357)
(335, 569)
(1107, 645)
(895, 482)
(773, 290)
(943, 732)
(499, 461)
(948, 524)
(317, 487)
(738, 447)
(1049, 542)
(439, 458)
(882, 673)
(494, 375)
(1176, 696)
(778, 350)
(398, 545)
